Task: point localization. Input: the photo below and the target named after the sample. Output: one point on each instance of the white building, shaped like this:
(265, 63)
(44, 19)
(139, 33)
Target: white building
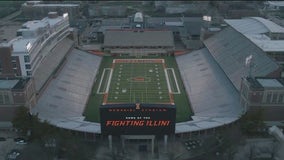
(274, 5)
(265, 34)
(36, 36)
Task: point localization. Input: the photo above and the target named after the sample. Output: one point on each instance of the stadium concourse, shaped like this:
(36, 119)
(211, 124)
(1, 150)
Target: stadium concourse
(63, 102)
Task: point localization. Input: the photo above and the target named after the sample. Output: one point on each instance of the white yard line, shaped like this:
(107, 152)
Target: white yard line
(175, 81)
(109, 80)
(100, 84)
(168, 81)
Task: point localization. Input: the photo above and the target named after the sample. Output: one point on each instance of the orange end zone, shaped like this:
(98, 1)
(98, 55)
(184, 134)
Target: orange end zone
(105, 98)
(138, 61)
(97, 52)
(180, 52)
(171, 98)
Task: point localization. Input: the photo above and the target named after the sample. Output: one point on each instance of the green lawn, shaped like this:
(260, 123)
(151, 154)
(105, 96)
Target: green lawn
(138, 81)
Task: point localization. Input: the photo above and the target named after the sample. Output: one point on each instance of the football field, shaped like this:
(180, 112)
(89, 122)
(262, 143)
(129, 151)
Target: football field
(148, 81)
(136, 80)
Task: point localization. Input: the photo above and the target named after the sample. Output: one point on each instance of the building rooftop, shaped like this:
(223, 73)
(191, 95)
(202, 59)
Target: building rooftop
(39, 4)
(276, 3)
(33, 25)
(138, 38)
(8, 84)
(21, 83)
(260, 83)
(193, 27)
(255, 28)
(269, 82)
(52, 21)
(254, 25)
(22, 44)
(5, 44)
(175, 23)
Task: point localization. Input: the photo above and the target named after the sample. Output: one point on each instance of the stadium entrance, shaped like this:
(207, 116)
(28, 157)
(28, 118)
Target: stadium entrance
(143, 145)
(142, 142)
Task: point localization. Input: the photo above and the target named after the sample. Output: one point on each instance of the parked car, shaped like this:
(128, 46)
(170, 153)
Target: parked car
(2, 139)
(14, 154)
(20, 140)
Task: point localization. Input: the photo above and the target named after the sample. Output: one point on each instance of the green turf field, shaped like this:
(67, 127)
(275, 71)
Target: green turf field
(143, 82)
(136, 82)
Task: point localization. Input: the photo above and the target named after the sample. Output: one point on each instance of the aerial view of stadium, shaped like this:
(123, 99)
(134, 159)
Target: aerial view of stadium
(157, 80)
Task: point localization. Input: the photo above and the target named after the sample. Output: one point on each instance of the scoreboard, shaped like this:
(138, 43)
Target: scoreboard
(137, 119)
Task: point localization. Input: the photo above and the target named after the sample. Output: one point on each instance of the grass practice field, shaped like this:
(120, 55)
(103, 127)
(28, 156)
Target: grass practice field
(155, 80)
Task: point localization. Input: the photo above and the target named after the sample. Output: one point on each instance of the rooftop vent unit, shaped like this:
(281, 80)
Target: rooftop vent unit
(138, 17)
(52, 15)
(31, 3)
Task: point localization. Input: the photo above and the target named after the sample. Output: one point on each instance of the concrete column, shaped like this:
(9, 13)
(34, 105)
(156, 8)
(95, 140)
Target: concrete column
(153, 146)
(166, 143)
(123, 143)
(110, 142)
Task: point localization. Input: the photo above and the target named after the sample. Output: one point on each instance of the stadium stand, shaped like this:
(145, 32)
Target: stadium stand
(129, 41)
(63, 102)
(231, 53)
(204, 79)
(52, 60)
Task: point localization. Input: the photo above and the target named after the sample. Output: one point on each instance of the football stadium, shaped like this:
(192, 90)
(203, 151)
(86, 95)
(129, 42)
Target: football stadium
(142, 78)
(139, 84)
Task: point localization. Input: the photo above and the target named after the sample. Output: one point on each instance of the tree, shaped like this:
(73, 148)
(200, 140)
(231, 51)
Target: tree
(252, 123)
(22, 119)
(25, 122)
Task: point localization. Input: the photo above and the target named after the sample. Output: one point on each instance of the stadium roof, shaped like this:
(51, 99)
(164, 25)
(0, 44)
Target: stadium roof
(139, 38)
(63, 102)
(230, 49)
(266, 44)
(254, 25)
(213, 98)
(255, 29)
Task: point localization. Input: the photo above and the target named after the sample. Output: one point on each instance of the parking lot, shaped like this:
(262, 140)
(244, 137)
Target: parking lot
(8, 144)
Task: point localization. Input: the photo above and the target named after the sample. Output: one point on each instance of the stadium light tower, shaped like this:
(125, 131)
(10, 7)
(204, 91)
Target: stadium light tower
(249, 64)
(207, 20)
